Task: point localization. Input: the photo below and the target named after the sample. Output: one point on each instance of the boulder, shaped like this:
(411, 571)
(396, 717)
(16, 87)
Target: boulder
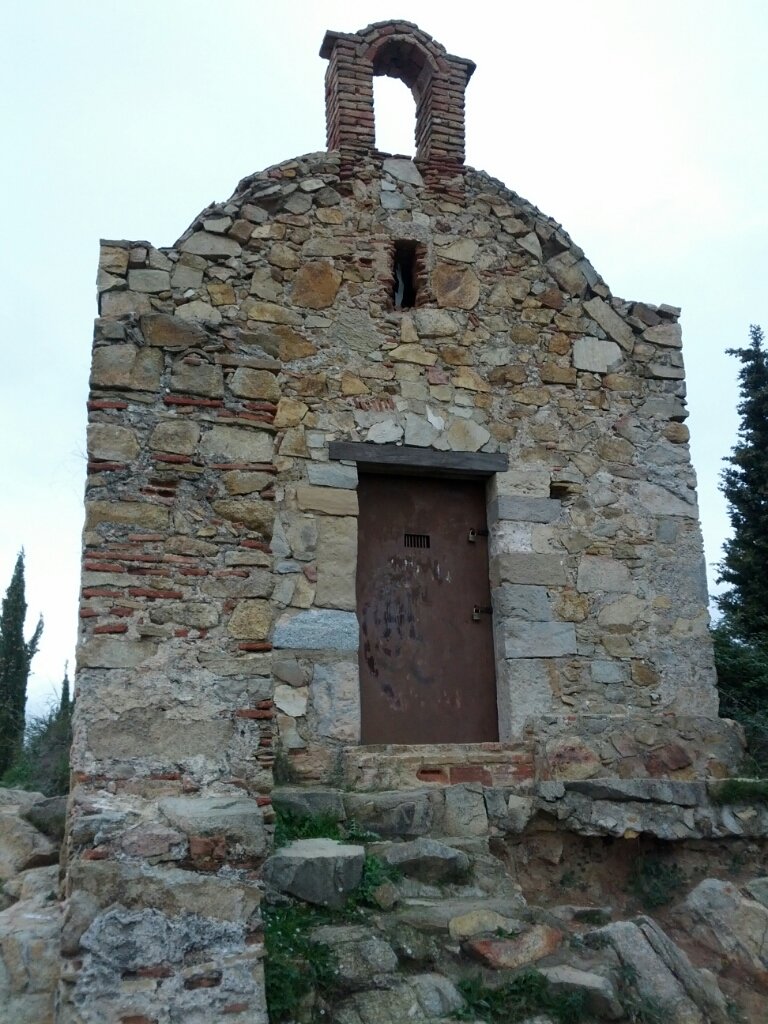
(319, 871)
(29, 961)
(428, 860)
(22, 846)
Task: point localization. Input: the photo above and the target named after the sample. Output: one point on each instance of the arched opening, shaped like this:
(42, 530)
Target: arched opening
(394, 111)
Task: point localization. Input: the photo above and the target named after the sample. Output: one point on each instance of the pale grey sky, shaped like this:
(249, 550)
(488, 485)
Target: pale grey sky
(641, 127)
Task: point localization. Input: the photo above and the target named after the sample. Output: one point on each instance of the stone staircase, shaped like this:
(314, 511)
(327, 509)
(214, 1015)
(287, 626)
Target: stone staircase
(449, 920)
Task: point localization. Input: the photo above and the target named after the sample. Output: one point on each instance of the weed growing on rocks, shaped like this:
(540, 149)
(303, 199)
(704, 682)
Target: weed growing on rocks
(655, 881)
(527, 994)
(737, 791)
(294, 965)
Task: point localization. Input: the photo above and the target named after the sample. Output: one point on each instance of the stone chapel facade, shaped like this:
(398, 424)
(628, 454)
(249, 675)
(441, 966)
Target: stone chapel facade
(385, 489)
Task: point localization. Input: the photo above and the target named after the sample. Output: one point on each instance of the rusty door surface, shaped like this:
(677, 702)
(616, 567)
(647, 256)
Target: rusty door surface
(426, 647)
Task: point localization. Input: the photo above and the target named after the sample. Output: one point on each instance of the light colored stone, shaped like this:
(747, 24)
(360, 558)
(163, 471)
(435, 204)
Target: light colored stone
(595, 355)
(238, 444)
(177, 436)
(332, 501)
(611, 322)
(529, 568)
(336, 562)
(251, 512)
(22, 846)
(465, 436)
(413, 354)
(428, 860)
(332, 474)
(317, 630)
(539, 639)
(335, 698)
(666, 334)
(661, 502)
(434, 323)
(291, 700)
(385, 432)
(111, 442)
(149, 280)
(403, 170)
(29, 961)
(197, 379)
(480, 922)
(251, 620)
(126, 366)
(599, 574)
(259, 384)
(202, 243)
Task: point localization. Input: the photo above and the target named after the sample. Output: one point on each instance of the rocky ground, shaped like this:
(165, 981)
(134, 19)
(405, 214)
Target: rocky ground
(542, 925)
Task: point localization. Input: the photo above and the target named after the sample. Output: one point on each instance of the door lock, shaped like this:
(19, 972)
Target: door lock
(477, 611)
(474, 534)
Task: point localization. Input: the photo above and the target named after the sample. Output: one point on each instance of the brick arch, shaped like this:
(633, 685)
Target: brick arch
(399, 50)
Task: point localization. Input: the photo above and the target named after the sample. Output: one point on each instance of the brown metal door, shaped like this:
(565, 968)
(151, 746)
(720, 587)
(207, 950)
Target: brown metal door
(426, 645)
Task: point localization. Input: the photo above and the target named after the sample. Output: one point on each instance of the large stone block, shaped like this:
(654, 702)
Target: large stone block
(336, 562)
(317, 630)
(611, 322)
(599, 574)
(319, 871)
(521, 602)
(539, 639)
(112, 442)
(238, 819)
(238, 444)
(595, 355)
(330, 500)
(335, 701)
(528, 510)
(530, 568)
(126, 366)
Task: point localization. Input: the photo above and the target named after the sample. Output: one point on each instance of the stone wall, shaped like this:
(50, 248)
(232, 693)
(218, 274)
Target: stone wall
(218, 625)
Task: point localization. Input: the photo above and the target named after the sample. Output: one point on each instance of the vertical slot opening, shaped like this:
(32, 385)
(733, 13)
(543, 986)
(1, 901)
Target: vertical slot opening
(404, 275)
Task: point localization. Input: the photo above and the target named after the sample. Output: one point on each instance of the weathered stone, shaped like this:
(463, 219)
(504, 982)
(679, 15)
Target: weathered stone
(513, 601)
(539, 570)
(428, 860)
(480, 922)
(170, 332)
(149, 280)
(529, 510)
(335, 696)
(720, 918)
(319, 871)
(332, 474)
(261, 384)
(397, 815)
(113, 443)
(330, 500)
(256, 515)
(465, 812)
(317, 630)
(236, 818)
(238, 444)
(177, 436)
(337, 561)
(465, 436)
(512, 954)
(600, 993)
(202, 243)
(664, 334)
(126, 366)
(22, 846)
(29, 961)
(315, 285)
(595, 355)
(603, 574)
(251, 620)
(361, 955)
(455, 287)
(197, 379)
(611, 323)
(539, 639)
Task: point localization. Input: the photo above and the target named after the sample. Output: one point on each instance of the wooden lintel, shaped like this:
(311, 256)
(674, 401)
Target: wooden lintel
(402, 458)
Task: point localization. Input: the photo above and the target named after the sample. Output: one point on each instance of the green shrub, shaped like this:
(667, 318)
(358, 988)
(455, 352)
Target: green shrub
(655, 881)
(736, 791)
(294, 965)
(527, 994)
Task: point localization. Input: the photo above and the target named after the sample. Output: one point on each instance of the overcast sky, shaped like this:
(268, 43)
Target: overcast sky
(641, 127)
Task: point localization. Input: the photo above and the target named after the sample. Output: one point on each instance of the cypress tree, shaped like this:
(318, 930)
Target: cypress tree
(745, 485)
(16, 656)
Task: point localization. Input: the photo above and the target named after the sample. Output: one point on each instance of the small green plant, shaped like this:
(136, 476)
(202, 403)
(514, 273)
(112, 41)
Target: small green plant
(354, 832)
(294, 965)
(289, 826)
(375, 873)
(655, 881)
(527, 994)
(568, 879)
(592, 915)
(737, 791)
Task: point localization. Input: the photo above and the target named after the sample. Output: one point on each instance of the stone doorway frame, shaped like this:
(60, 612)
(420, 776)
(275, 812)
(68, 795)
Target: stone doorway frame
(405, 460)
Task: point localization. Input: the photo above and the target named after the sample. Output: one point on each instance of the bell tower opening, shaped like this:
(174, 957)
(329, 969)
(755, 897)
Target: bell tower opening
(394, 111)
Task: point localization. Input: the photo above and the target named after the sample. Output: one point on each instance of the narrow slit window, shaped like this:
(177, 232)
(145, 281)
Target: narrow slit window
(404, 275)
